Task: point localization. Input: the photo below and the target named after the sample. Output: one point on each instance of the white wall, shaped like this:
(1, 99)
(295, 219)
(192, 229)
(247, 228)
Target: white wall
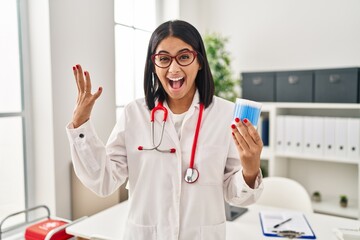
(282, 34)
(167, 10)
(43, 182)
(62, 34)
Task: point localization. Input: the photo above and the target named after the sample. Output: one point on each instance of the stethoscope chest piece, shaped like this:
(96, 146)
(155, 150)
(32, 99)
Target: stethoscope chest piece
(191, 175)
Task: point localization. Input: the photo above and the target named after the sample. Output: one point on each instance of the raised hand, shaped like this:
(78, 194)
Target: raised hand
(85, 100)
(249, 145)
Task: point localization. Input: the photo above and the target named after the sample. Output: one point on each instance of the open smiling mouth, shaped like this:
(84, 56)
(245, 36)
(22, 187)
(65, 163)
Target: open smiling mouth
(176, 83)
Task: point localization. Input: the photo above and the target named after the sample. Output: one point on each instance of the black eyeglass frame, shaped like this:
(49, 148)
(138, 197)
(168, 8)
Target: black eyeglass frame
(195, 53)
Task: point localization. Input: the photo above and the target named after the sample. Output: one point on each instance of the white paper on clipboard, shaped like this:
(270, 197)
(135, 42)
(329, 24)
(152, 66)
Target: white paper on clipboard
(298, 223)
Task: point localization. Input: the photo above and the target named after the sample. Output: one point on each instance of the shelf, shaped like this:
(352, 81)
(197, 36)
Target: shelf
(320, 169)
(316, 157)
(331, 206)
(312, 105)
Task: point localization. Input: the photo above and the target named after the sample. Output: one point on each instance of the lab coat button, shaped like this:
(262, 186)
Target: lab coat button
(81, 135)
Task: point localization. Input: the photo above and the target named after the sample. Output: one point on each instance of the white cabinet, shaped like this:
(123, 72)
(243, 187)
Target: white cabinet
(329, 171)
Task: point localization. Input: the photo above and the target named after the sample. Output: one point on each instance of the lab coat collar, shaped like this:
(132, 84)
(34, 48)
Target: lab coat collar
(195, 101)
(194, 105)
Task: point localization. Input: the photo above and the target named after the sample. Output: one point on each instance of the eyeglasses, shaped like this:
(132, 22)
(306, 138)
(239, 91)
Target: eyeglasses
(183, 59)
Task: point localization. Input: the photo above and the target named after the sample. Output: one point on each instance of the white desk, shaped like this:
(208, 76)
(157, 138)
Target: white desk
(109, 224)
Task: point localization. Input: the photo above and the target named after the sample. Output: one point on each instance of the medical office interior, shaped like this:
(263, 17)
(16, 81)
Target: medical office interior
(267, 40)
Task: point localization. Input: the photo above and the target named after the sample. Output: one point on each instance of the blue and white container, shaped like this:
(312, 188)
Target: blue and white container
(247, 109)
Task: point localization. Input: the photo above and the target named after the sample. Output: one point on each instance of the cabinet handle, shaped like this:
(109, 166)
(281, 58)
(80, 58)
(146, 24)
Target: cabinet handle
(334, 78)
(257, 80)
(293, 79)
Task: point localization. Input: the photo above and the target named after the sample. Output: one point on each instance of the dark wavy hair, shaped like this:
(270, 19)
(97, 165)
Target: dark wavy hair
(186, 32)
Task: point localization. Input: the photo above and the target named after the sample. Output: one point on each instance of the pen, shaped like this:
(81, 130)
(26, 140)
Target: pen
(279, 224)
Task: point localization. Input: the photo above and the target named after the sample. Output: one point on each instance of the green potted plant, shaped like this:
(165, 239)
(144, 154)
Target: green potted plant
(220, 65)
(316, 196)
(343, 201)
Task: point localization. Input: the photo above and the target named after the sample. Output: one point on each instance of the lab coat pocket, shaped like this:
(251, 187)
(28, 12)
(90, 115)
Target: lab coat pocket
(139, 232)
(210, 163)
(213, 232)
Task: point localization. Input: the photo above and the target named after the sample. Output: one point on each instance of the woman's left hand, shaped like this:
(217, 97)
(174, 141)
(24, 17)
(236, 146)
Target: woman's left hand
(249, 145)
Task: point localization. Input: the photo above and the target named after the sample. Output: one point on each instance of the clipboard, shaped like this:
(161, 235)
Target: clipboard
(290, 224)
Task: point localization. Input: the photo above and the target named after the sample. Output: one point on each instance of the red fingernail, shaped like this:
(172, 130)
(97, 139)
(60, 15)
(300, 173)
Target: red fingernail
(85, 73)
(233, 126)
(77, 66)
(237, 120)
(245, 120)
(74, 68)
(100, 88)
(233, 133)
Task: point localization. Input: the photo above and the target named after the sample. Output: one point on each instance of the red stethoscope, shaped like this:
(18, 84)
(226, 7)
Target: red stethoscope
(191, 174)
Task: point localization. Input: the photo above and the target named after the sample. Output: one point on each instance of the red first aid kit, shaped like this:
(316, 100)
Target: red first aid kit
(40, 230)
(43, 228)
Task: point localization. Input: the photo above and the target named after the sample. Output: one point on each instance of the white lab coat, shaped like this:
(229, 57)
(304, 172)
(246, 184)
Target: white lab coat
(162, 205)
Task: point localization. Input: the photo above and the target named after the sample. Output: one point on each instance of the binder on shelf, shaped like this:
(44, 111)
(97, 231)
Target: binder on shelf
(340, 137)
(289, 132)
(318, 135)
(294, 134)
(329, 136)
(265, 131)
(285, 224)
(259, 127)
(307, 137)
(297, 133)
(353, 138)
(280, 133)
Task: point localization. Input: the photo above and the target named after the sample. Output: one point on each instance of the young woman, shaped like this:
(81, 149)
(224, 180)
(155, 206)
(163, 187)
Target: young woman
(179, 170)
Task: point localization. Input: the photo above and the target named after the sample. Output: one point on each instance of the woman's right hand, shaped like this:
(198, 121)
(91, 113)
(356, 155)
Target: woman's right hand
(85, 100)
